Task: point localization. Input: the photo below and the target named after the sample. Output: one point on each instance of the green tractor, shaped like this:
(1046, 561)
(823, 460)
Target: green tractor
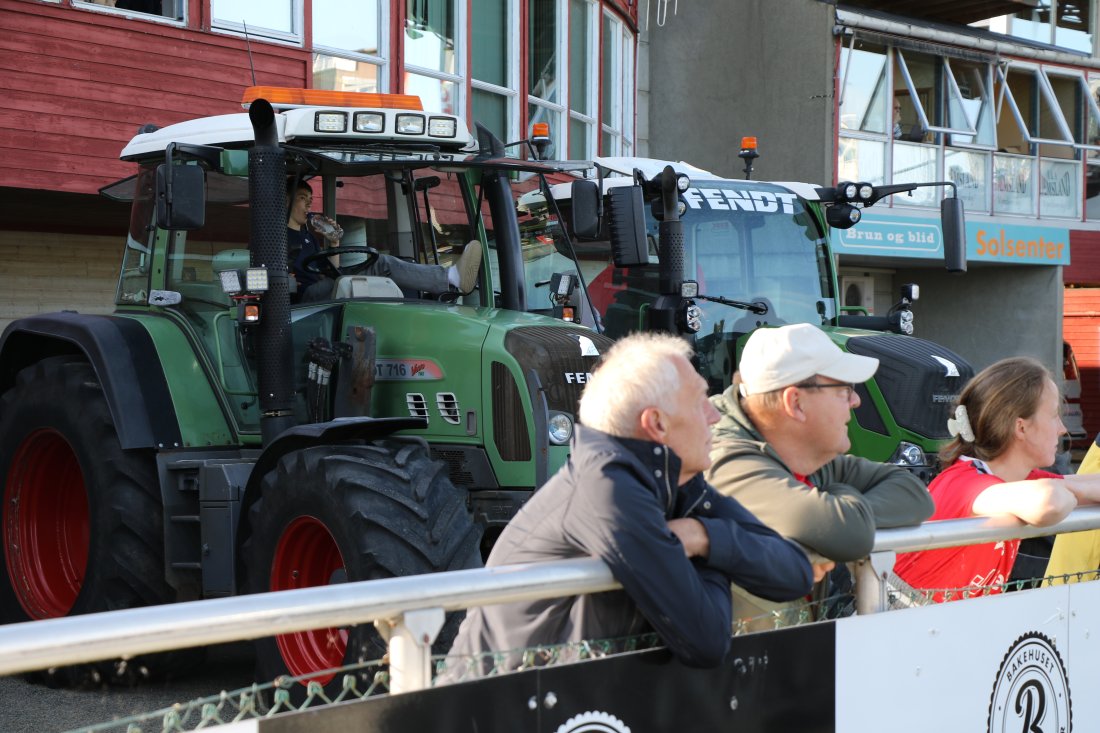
(215, 436)
(672, 247)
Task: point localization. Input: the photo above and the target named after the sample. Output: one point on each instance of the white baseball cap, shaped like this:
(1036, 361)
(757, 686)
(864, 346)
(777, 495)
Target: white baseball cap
(774, 358)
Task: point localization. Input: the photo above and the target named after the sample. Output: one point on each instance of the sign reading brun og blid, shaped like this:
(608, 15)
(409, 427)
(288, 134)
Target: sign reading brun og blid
(920, 238)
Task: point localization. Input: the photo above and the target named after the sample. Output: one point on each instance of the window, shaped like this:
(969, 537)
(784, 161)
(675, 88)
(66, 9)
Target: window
(433, 53)
(546, 89)
(277, 19)
(974, 82)
(1065, 23)
(617, 74)
(863, 94)
(1092, 156)
(349, 45)
(582, 90)
(925, 84)
(172, 9)
(494, 66)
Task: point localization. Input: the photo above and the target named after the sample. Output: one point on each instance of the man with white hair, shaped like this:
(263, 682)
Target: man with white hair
(632, 495)
(779, 450)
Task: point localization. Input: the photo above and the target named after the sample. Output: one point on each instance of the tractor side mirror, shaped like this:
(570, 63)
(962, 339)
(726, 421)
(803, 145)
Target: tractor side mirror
(626, 211)
(181, 196)
(953, 225)
(584, 197)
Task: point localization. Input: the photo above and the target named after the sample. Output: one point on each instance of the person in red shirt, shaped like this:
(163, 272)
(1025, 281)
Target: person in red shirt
(1007, 425)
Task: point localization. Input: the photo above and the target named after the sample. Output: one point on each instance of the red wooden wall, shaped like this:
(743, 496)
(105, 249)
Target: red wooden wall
(1081, 328)
(76, 84)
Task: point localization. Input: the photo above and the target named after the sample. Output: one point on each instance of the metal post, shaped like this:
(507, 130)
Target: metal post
(410, 640)
(870, 578)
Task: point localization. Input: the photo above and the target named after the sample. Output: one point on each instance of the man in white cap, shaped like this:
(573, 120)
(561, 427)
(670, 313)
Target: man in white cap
(779, 449)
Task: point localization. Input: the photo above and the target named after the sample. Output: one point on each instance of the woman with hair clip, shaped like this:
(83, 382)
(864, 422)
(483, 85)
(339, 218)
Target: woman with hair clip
(1007, 425)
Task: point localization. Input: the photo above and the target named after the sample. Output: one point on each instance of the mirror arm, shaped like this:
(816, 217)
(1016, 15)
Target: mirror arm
(882, 192)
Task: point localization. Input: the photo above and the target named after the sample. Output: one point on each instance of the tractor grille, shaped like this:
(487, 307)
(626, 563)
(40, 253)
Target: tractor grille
(448, 407)
(915, 385)
(510, 433)
(554, 354)
(418, 406)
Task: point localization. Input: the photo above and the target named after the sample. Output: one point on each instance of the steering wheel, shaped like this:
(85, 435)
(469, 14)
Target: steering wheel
(320, 264)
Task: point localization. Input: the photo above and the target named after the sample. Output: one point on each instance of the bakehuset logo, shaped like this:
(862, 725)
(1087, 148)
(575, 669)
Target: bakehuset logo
(1031, 691)
(593, 722)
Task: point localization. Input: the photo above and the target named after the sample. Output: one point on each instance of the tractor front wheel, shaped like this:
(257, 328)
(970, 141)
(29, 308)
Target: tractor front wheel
(334, 514)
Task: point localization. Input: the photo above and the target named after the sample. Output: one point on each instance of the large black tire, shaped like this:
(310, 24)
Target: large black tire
(351, 512)
(82, 524)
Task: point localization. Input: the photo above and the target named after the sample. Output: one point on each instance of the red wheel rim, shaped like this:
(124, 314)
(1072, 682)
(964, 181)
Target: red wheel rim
(307, 556)
(46, 525)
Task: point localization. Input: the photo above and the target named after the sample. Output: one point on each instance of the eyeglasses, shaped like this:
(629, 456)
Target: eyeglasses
(850, 389)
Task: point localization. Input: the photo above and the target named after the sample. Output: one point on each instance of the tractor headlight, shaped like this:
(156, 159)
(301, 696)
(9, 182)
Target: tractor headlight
(331, 122)
(561, 428)
(442, 127)
(693, 318)
(231, 281)
(906, 322)
(256, 279)
(410, 124)
(369, 122)
(909, 454)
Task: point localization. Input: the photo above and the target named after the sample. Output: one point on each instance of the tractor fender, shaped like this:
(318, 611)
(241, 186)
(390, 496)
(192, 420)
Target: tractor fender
(124, 358)
(340, 430)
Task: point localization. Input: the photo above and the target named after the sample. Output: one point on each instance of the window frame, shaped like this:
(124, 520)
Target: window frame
(296, 36)
(381, 60)
(557, 111)
(1091, 105)
(945, 73)
(180, 22)
(1046, 91)
(511, 92)
(458, 78)
(592, 8)
(621, 108)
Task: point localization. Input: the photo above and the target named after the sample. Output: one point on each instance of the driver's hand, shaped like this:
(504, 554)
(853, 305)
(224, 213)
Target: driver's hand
(328, 228)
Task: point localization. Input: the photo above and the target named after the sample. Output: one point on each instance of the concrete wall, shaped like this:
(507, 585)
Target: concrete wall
(718, 71)
(991, 313)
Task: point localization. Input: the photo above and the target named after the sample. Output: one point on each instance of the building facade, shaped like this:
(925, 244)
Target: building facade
(997, 98)
(81, 76)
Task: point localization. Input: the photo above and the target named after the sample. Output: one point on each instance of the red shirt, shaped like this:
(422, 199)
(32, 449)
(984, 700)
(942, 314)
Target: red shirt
(976, 566)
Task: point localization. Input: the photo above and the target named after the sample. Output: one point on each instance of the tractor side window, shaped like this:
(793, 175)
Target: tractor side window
(442, 218)
(419, 216)
(545, 250)
(133, 283)
(195, 258)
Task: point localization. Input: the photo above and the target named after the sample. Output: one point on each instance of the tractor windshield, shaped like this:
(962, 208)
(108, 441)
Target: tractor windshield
(745, 241)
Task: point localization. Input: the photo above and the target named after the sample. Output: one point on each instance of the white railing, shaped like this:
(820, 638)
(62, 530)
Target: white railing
(409, 611)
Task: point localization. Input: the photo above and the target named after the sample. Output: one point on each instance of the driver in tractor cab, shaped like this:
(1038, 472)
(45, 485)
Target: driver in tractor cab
(301, 235)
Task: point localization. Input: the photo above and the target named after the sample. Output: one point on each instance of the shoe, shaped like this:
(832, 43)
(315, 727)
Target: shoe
(468, 266)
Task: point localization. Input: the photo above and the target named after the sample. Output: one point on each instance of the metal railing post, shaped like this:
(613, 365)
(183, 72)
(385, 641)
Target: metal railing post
(870, 579)
(410, 637)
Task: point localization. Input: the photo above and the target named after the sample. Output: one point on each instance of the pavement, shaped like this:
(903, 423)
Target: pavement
(27, 707)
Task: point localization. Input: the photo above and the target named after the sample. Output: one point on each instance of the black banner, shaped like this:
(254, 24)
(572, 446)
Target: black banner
(772, 681)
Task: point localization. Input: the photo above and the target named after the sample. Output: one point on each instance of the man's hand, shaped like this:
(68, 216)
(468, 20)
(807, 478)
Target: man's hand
(821, 569)
(692, 535)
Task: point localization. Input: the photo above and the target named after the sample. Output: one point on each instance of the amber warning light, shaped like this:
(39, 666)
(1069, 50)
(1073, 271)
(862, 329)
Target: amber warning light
(748, 154)
(290, 97)
(540, 139)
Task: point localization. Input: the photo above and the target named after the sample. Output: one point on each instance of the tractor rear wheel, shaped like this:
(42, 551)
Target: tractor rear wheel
(333, 514)
(82, 529)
